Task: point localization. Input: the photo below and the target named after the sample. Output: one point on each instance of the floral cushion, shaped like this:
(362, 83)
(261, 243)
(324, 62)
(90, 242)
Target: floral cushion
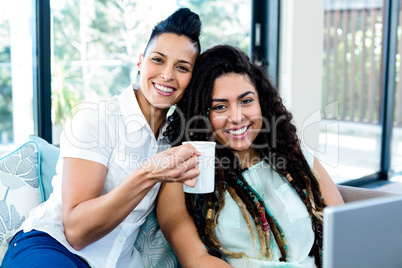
(20, 189)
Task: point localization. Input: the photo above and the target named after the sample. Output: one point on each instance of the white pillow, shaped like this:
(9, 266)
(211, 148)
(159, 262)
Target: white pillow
(20, 189)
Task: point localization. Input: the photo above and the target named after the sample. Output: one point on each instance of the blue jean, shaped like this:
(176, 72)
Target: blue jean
(38, 249)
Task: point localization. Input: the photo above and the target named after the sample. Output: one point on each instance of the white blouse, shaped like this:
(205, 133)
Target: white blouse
(287, 208)
(115, 133)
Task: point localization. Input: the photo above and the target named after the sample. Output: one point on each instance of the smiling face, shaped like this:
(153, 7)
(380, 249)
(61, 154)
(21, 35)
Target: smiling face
(166, 70)
(235, 114)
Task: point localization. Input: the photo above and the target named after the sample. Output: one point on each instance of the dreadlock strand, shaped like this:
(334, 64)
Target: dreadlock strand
(246, 217)
(201, 225)
(246, 200)
(221, 202)
(310, 198)
(220, 188)
(316, 217)
(233, 254)
(318, 246)
(318, 214)
(262, 235)
(279, 238)
(210, 223)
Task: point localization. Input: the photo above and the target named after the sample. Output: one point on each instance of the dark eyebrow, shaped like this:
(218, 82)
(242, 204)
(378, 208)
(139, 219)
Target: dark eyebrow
(245, 94)
(163, 55)
(240, 97)
(160, 53)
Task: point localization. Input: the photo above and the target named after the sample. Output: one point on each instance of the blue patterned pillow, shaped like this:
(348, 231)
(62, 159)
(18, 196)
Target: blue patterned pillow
(152, 245)
(20, 189)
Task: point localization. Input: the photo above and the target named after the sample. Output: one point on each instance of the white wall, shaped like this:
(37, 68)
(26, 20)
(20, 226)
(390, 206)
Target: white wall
(300, 65)
(21, 69)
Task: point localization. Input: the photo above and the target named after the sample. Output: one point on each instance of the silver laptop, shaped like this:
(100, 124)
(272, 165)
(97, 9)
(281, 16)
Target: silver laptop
(365, 234)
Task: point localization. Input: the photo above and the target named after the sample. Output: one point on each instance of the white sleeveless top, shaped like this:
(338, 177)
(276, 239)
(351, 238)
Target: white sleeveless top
(285, 205)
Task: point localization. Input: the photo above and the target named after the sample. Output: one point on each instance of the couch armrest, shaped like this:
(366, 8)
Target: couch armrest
(350, 194)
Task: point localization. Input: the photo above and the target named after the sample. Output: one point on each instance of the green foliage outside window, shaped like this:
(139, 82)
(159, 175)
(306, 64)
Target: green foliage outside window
(96, 43)
(6, 117)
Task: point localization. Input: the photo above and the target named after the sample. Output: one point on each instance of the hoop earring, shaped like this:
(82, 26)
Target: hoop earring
(137, 77)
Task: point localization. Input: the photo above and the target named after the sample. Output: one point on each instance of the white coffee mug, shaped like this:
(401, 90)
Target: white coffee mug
(206, 180)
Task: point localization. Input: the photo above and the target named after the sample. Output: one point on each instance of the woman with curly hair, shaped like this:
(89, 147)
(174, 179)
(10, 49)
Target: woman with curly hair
(269, 195)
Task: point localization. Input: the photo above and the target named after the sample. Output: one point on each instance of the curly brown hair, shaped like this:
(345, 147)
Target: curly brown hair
(190, 122)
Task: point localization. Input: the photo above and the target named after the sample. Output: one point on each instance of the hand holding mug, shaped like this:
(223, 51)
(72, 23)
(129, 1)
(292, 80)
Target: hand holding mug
(178, 164)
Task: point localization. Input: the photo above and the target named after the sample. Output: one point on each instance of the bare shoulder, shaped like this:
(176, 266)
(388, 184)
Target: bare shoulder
(328, 188)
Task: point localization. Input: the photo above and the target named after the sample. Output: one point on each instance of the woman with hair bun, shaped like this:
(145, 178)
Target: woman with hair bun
(113, 157)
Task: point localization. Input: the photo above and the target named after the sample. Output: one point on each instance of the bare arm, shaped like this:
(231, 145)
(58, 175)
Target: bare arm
(89, 216)
(179, 229)
(328, 188)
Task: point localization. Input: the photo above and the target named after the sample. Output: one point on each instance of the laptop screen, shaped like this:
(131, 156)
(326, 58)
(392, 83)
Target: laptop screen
(365, 234)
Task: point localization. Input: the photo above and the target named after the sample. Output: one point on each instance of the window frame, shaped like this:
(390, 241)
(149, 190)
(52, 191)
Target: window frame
(42, 95)
(265, 36)
(392, 9)
(264, 48)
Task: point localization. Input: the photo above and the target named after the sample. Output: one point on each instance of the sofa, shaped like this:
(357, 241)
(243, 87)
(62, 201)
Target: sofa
(26, 175)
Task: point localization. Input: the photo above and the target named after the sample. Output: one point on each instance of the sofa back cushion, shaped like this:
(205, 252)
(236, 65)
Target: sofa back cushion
(49, 155)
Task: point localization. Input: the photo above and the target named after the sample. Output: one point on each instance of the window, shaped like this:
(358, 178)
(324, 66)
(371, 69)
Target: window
(96, 44)
(356, 68)
(16, 90)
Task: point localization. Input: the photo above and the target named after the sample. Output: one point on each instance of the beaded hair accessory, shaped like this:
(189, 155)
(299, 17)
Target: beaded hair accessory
(266, 218)
(197, 219)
